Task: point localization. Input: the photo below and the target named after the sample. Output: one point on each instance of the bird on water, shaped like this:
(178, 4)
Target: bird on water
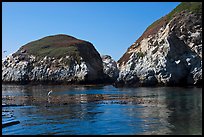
(49, 92)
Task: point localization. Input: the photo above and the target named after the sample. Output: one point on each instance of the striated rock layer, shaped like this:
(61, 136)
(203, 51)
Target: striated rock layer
(54, 59)
(168, 53)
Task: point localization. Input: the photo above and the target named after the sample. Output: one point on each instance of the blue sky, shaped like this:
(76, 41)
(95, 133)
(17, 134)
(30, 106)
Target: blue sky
(110, 26)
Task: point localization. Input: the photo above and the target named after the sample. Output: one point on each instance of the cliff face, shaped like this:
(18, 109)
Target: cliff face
(168, 53)
(54, 59)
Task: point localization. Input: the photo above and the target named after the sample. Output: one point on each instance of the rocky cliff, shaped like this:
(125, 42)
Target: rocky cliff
(54, 59)
(110, 68)
(168, 53)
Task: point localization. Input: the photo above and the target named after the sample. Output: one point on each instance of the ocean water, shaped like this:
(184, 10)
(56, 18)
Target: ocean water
(167, 110)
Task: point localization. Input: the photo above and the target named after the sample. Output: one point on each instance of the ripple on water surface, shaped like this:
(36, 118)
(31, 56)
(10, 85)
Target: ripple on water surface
(164, 111)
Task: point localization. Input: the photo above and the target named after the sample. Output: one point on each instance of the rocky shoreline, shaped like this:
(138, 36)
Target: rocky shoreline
(169, 53)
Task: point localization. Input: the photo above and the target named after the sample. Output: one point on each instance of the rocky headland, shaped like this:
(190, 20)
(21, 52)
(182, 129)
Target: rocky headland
(55, 59)
(169, 53)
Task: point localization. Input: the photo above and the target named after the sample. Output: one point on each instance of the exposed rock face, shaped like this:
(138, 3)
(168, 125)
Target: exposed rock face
(110, 68)
(169, 53)
(54, 59)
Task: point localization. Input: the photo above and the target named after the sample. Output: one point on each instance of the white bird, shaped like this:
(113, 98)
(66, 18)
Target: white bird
(49, 92)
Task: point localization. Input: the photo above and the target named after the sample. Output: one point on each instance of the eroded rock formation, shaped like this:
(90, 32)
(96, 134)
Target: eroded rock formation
(168, 53)
(54, 59)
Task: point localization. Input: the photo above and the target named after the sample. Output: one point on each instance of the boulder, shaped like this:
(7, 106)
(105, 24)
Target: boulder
(110, 68)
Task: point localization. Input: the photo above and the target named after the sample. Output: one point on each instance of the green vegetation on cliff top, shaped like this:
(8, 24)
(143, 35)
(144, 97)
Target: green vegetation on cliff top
(193, 7)
(56, 46)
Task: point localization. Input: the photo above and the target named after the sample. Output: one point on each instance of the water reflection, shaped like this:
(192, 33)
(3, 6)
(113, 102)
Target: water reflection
(186, 113)
(156, 114)
(163, 111)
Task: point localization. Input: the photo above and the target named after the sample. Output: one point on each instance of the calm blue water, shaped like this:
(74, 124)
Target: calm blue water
(178, 111)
